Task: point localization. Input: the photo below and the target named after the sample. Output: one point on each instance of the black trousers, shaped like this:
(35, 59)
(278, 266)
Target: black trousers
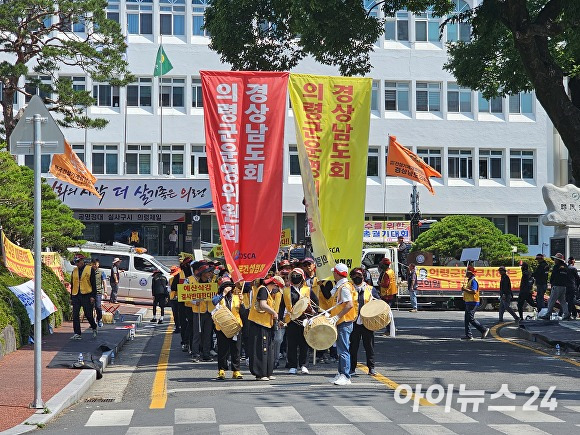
(228, 346)
(570, 300)
(297, 353)
(175, 309)
(159, 300)
(186, 321)
(522, 299)
(368, 339)
(83, 301)
(201, 334)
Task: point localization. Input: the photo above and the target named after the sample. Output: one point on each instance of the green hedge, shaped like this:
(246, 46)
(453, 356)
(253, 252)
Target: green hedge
(12, 312)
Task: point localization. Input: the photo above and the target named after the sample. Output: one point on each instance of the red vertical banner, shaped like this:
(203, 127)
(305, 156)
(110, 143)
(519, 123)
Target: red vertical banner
(244, 113)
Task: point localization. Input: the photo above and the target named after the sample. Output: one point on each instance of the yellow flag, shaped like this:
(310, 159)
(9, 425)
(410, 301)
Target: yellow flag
(69, 168)
(332, 116)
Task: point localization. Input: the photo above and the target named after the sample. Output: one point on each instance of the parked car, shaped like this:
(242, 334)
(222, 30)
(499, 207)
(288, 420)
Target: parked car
(136, 267)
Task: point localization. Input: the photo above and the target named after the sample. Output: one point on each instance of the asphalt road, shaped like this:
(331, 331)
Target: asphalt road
(427, 356)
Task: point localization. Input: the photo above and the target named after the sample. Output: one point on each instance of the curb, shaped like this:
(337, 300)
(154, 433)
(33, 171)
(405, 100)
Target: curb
(538, 337)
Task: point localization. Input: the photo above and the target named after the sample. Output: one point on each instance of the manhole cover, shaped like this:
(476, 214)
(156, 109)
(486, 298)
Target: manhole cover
(99, 399)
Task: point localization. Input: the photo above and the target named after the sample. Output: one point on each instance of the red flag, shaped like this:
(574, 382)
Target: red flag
(404, 163)
(69, 168)
(244, 114)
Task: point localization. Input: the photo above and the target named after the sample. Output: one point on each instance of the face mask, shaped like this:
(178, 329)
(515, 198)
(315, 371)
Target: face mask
(296, 279)
(357, 280)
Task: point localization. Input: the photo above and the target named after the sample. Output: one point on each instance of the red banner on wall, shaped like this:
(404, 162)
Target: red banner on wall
(244, 113)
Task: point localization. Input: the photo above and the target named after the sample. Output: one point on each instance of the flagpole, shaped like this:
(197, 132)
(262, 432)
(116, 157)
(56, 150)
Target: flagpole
(385, 197)
(160, 78)
(126, 103)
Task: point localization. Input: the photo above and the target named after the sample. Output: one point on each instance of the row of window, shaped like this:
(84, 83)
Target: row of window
(138, 160)
(428, 96)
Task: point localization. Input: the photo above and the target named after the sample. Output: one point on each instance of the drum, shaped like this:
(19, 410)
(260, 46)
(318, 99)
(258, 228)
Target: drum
(299, 308)
(375, 314)
(226, 321)
(320, 333)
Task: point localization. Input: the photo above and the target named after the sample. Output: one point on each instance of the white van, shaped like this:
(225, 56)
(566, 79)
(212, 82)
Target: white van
(136, 267)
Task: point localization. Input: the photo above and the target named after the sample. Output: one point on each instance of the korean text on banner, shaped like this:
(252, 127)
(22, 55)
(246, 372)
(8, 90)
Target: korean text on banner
(244, 115)
(286, 237)
(69, 168)
(386, 231)
(196, 292)
(438, 278)
(402, 162)
(52, 260)
(16, 259)
(25, 293)
(332, 116)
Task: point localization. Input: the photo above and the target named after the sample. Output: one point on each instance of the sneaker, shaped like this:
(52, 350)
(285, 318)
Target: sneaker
(484, 333)
(272, 378)
(184, 348)
(76, 337)
(153, 320)
(195, 358)
(333, 380)
(95, 333)
(213, 352)
(467, 337)
(304, 370)
(292, 371)
(100, 323)
(342, 380)
(413, 310)
(265, 378)
(372, 372)
(221, 375)
(160, 321)
(207, 359)
(237, 375)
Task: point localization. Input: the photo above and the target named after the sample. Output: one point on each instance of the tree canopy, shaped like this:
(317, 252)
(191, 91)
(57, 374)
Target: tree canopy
(449, 236)
(59, 227)
(38, 37)
(514, 45)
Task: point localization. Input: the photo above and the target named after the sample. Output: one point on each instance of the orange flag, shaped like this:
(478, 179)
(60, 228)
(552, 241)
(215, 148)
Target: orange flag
(404, 163)
(69, 168)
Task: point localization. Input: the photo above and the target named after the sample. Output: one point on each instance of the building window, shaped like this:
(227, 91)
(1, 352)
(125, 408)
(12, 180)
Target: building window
(460, 164)
(139, 159)
(431, 156)
(199, 7)
(294, 161)
(528, 230)
(172, 159)
(172, 92)
(373, 162)
(106, 95)
(493, 105)
(45, 160)
(198, 160)
(105, 159)
(139, 93)
(397, 96)
(196, 95)
(521, 103)
(397, 27)
(79, 150)
(490, 164)
(40, 86)
(172, 17)
(140, 17)
(458, 99)
(428, 97)
(521, 165)
(459, 31)
(427, 27)
(499, 223)
(112, 10)
(375, 96)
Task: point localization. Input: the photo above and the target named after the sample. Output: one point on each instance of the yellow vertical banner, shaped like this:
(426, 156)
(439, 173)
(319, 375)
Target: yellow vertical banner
(332, 116)
(16, 259)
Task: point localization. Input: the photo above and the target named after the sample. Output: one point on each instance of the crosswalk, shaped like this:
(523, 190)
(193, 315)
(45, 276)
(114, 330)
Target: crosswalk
(338, 420)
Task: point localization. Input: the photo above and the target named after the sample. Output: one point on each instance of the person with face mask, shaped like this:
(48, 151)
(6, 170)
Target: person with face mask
(297, 350)
(365, 294)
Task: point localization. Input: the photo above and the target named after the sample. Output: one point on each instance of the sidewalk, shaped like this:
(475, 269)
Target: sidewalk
(58, 353)
(552, 332)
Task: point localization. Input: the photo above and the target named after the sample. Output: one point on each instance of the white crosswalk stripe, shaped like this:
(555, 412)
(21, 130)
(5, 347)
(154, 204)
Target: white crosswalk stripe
(153, 430)
(119, 417)
(335, 429)
(531, 416)
(573, 408)
(278, 414)
(194, 415)
(422, 429)
(242, 429)
(440, 415)
(517, 429)
(362, 414)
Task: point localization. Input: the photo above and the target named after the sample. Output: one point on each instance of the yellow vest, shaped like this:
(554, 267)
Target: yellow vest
(392, 288)
(84, 282)
(263, 319)
(470, 297)
(172, 293)
(304, 293)
(352, 313)
(367, 296)
(236, 302)
(323, 303)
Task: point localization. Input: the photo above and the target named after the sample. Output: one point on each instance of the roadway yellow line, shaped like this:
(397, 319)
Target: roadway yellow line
(495, 334)
(393, 385)
(159, 390)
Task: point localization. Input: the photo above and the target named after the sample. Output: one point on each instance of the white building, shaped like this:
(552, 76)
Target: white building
(494, 155)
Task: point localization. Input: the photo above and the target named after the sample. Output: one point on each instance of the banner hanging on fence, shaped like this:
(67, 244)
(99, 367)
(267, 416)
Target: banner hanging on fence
(244, 113)
(437, 278)
(52, 260)
(25, 293)
(332, 116)
(16, 259)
